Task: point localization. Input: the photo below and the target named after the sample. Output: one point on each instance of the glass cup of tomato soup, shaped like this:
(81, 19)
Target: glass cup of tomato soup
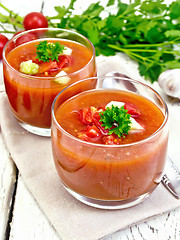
(109, 142)
(37, 65)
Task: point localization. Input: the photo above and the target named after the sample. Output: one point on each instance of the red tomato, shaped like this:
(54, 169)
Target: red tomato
(86, 115)
(132, 110)
(64, 61)
(35, 20)
(90, 115)
(96, 120)
(48, 66)
(3, 41)
(26, 38)
(35, 60)
(92, 131)
(110, 140)
(90, 134)
(83, 136)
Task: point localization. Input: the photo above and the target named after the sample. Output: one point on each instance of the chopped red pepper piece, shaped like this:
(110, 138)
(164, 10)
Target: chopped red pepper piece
(92, 131)
(132, 110)
(48, 66)
(110, 140)
(86, 115)
(90, 134)
(96, 117)
(64, 61)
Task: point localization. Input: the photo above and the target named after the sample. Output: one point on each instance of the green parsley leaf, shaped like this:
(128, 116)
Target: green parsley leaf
(117, 120)
(172, 33)
(110, 3)
(47, 51)
(121, 8)
(175, 9)
(93, 10)
(93, 34)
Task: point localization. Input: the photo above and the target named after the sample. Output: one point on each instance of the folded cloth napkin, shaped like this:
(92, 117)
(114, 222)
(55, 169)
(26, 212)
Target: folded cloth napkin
(74, 220)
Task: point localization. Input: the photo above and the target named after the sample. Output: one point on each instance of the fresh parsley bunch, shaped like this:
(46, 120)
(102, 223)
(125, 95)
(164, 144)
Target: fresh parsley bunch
(148, 31)
(117, 120)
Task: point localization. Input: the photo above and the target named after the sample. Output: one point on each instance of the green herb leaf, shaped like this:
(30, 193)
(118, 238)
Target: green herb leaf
(61, 12)
(91, 31)
(47, 51)
(110, 3)
(172, 33)
(121, 8)
(93, 10)
(175, 9)
(117, 120)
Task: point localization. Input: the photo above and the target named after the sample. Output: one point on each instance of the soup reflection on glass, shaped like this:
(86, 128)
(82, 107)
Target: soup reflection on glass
(32, 83)
(102, 166)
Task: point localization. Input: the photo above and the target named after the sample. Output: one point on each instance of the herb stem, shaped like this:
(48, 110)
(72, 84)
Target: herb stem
(134, 56)
(151, 51)
(130, 50)
(140, 58)
(153, 45)
(6, 31)
(7, 9)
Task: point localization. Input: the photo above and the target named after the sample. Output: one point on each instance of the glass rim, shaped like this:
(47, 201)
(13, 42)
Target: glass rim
(166, 115)
(33, 77)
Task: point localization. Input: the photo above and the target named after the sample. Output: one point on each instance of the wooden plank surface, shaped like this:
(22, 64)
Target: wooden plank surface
(30, 223)
(7, 181)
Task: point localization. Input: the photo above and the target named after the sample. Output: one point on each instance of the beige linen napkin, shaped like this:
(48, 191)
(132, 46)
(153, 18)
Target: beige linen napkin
(72, 219)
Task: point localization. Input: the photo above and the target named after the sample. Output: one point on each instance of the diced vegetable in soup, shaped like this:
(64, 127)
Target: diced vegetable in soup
(102, 116)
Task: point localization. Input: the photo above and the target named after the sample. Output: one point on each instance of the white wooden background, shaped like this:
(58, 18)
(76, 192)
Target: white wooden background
(20, 216)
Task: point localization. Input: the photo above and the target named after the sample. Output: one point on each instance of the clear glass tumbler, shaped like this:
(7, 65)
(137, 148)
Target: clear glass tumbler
(31, 96)
(108, 176)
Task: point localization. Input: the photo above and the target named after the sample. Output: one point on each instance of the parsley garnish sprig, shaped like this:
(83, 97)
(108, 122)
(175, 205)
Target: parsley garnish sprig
(117, 120)
(47, 51)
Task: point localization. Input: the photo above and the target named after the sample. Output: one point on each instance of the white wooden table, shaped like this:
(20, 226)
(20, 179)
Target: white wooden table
(20, 215)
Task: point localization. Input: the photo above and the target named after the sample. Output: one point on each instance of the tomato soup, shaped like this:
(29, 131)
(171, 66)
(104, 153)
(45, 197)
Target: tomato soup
(31, 95)
(97, 165)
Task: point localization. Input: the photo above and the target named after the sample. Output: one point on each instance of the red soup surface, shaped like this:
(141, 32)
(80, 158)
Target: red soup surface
(101, 166)
(31, 96)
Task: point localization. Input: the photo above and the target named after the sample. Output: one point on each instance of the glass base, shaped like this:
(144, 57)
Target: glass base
(108, 204)
(44, 132)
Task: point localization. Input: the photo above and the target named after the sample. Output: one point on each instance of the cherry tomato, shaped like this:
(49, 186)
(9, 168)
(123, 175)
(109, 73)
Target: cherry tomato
(35, 20)
(3, 41)
(25, 38)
